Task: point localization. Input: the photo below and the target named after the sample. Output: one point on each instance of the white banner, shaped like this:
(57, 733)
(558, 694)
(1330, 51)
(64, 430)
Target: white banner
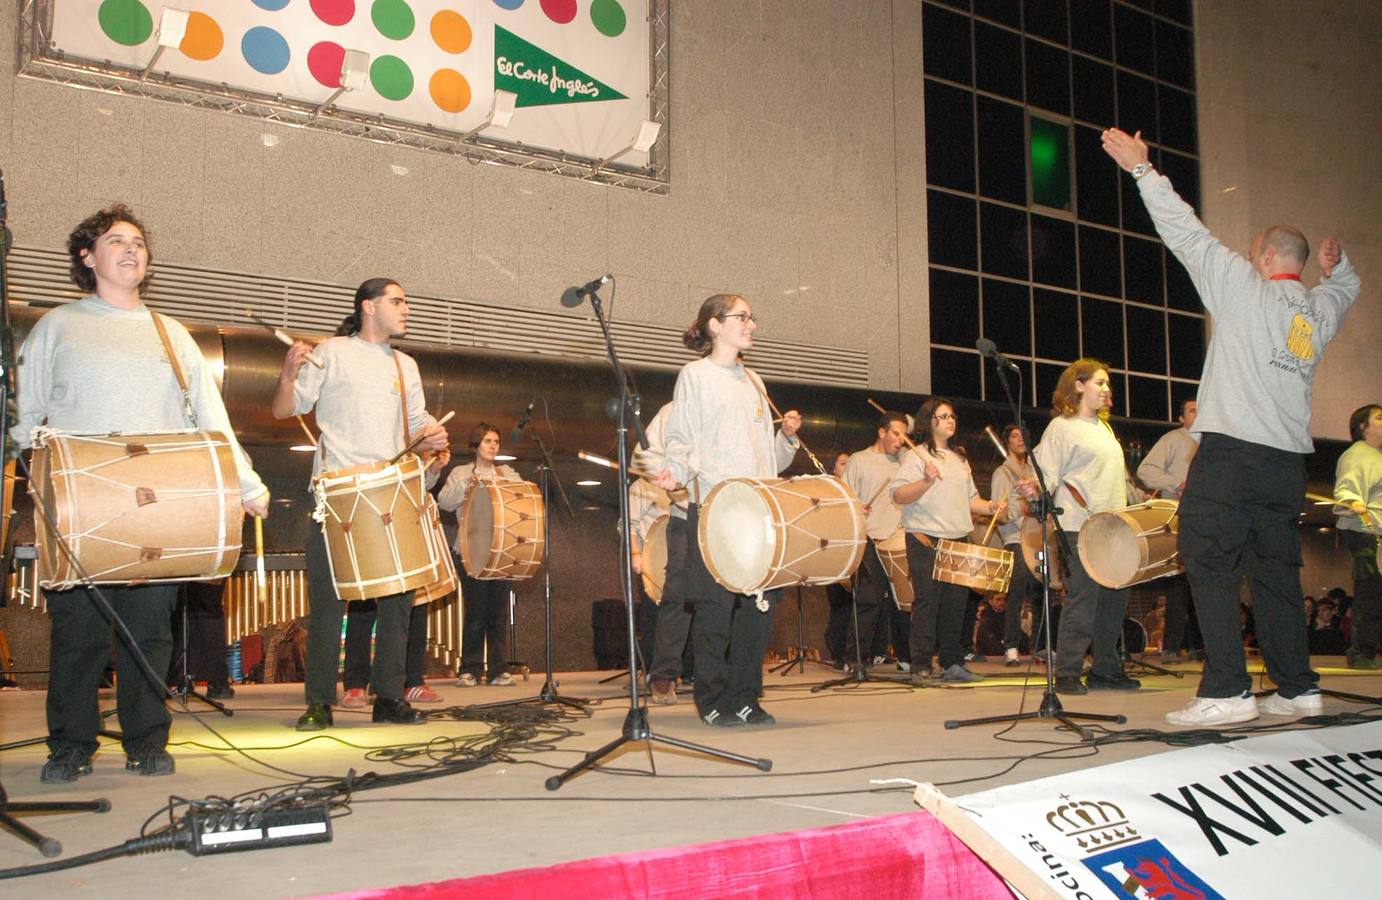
(1288, 815)
(580, 67)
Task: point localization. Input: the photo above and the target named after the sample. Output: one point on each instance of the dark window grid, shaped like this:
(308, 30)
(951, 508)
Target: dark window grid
(1007, 27)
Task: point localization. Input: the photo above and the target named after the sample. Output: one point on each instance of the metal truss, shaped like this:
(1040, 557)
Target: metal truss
(39, 59)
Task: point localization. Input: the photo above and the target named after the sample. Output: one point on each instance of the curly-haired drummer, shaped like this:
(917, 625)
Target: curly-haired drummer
(96, 366)
(1083, 465)
(721, 427)
(485, 608)
(359, 392)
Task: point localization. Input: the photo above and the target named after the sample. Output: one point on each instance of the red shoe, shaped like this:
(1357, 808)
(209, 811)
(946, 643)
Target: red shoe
(355, 698)
(421, 694)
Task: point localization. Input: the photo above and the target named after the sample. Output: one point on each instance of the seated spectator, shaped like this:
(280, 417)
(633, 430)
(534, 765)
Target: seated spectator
(988, 633)
(1249, 625)
(1326, 638)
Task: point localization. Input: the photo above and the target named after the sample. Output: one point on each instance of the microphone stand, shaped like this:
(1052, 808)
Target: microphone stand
(546, 477)
(1050, 707)
(636, 728)
(10, 810)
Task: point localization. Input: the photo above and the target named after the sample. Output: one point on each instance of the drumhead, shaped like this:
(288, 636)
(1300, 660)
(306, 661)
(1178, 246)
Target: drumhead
(737, 537)
(1109, 549)
(478, 528)
(655, 559)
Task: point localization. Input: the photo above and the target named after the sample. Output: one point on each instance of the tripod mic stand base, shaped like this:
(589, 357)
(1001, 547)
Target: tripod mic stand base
(46, 845)
(1050, 708)
(637, 730)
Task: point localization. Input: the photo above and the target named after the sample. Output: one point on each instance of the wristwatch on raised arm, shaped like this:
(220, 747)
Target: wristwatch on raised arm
(1140, 169)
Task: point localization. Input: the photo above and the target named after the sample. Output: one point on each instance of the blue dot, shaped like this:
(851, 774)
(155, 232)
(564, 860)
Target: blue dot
(265, 50)
(271, 5)
(508, 4)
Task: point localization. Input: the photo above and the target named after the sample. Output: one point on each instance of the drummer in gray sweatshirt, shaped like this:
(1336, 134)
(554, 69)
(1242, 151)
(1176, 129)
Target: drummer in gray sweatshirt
(96, 366)
(1245, 486)
(721, 427)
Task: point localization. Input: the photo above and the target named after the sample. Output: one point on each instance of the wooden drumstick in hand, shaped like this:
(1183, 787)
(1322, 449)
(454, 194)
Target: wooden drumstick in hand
(261, 578)
(907, 440)
(283, 336)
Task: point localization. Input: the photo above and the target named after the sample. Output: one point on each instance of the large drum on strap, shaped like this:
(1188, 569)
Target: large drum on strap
(136, 508)
(655, 559)
(1128, 546)
(893, 554)
(983, 568)
(1030, 541)
(501, 531)
(447, 582)
(757, 534)
(378, 537)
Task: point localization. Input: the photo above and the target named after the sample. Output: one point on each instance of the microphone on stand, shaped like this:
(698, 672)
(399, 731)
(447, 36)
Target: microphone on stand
(575, 296)
(990, 349)
(517, 434)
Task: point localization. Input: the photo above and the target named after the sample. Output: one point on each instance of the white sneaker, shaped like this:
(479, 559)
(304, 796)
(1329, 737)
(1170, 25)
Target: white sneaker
(1211, 711)
(1310, 703)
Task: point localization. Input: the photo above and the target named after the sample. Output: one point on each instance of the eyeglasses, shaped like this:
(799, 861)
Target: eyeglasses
(741, 316)
(944, 417)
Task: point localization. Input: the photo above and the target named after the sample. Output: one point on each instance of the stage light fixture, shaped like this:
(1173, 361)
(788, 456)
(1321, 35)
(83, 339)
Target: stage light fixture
(501, 108)
(642, 142)
(354, 74)
(172, 28)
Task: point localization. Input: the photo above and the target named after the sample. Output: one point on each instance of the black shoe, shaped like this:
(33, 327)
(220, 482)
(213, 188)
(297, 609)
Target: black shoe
(721, 720)
(67, 764)
(1359, 661)
(150, 761)
(317, 717)
(1119, 682)
(753, 714)
(399, 712)
(922, 678)
(220, 692)
(1070, 684)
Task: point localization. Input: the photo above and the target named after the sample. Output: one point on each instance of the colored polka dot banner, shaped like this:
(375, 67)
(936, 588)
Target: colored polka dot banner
(578, 67)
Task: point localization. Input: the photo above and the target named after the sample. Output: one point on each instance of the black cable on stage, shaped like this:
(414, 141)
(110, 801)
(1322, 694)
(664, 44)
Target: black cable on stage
(131, 847)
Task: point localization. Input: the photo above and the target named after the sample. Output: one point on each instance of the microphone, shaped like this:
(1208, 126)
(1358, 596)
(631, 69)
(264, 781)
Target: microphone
(990, 349)
(517, 434)
(574, 296)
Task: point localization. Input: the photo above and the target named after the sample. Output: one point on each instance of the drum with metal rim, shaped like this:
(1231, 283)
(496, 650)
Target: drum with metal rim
(1128, 546)
(501, 531)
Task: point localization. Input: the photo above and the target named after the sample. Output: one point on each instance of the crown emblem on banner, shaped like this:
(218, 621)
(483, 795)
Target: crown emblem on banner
(1093, 824)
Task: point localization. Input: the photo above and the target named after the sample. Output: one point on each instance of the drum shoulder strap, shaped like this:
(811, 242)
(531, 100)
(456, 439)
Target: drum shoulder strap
(177, 367)
(403, 396)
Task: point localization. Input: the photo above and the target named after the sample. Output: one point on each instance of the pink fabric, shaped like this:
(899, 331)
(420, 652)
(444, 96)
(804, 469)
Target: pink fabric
(907, 855)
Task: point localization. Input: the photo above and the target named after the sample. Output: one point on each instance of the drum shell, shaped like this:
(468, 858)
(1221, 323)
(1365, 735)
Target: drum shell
(758, 534)
(655, 559)
(502, 531)
(1123, 547)
(448, 581)
(1029, 541)
(376, 529)
(898, 570)
(137, 508)
(983, 568)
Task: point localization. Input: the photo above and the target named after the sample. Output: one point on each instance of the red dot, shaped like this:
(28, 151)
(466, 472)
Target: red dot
(559, 11)
(324, 61)
(335, 12)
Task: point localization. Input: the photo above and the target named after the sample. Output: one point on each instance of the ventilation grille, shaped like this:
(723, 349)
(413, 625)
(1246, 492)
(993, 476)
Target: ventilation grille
(220, 298)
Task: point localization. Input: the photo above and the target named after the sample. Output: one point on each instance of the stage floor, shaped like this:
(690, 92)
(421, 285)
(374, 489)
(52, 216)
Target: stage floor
(825, 748)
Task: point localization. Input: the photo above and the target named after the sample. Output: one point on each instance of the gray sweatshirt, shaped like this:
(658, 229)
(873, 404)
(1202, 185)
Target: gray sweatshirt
(1165, 466)
(1083, 455)
(1005, 478)
(720, 427)
(1358, 476)
(359, 403)
(943, 511)
(866, 472)
(1269, 336)
(92, 368)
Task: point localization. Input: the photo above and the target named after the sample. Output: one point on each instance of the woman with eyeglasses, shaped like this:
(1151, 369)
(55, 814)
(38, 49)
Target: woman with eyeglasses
(935, 488)
(1083, 464)
(721, 427)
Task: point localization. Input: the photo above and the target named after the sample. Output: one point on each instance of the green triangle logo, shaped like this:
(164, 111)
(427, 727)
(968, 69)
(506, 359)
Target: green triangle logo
(539, 78)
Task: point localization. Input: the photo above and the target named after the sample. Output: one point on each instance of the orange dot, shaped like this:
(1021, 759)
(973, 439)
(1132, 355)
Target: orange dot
(203, 40)
(450, 91)
(451, 31)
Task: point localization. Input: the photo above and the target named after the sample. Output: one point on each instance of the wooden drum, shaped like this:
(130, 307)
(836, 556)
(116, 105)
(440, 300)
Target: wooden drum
(136, 508)
(987, 569)
(757, 534)
(448, 581)
(655, 559)
(1128, 546)
(893, 554)
(501, 531)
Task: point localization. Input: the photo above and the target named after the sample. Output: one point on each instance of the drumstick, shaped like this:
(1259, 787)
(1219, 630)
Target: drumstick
(282, 336)
(307, 431)
(906, 440)
(1002, 451)
(261, 578)
(809, 455)
(993, 522)
(419, 439)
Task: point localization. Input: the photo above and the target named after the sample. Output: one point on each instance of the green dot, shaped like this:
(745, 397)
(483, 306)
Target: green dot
(391, 77)
(393, 18)
(126, 22)
(608, 17)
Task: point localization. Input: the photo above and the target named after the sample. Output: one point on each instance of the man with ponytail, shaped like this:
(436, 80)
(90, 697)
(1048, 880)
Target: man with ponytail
(359, 395)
